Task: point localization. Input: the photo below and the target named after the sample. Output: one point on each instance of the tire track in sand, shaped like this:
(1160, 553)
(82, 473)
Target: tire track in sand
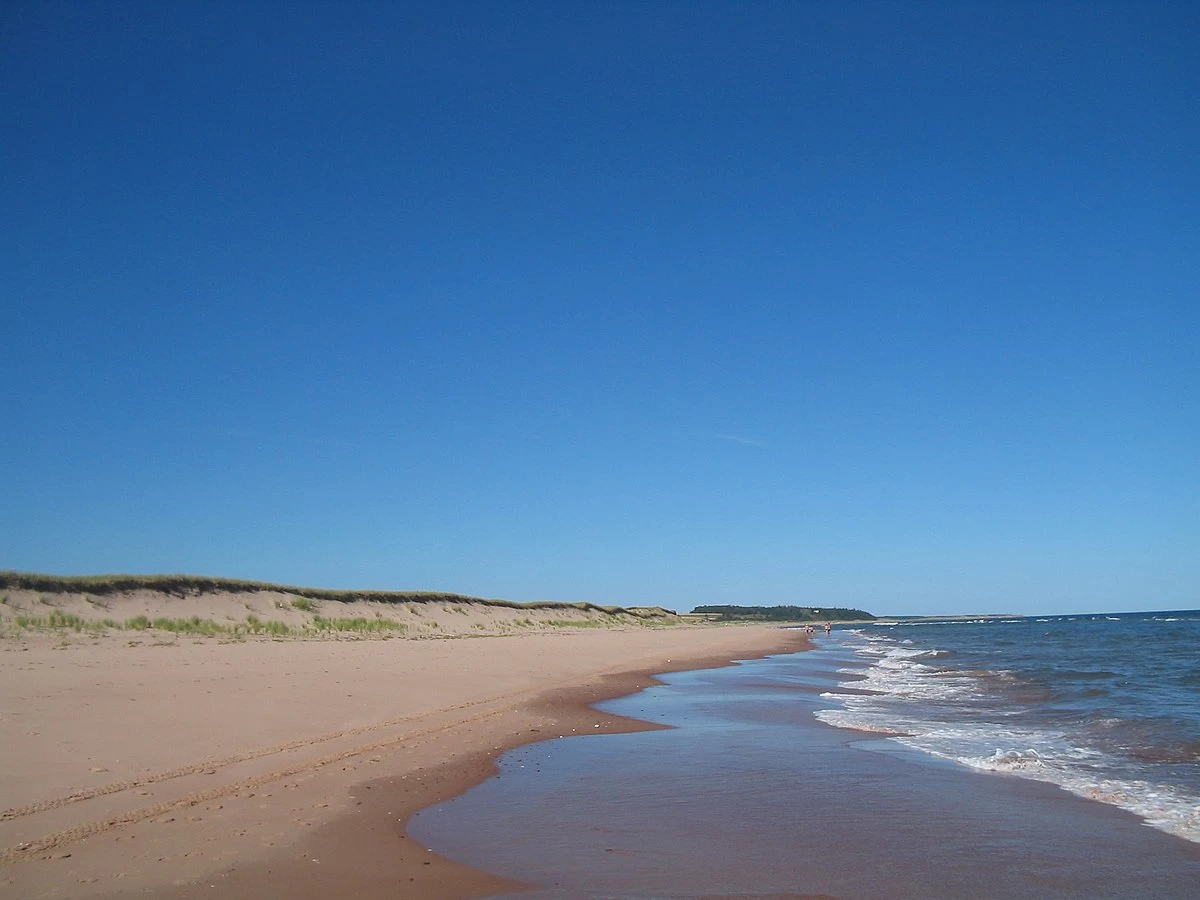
(117, 787)
(29, 849)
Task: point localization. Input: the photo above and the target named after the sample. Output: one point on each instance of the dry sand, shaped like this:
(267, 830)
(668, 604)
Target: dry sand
(195, 766)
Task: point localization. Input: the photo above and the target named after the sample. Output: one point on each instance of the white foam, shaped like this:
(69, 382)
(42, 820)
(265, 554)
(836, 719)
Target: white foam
(912, 699)
(840, 718)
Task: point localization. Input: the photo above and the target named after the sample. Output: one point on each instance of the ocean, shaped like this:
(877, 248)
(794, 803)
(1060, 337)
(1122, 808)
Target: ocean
(1105, 706)
(1054, 757)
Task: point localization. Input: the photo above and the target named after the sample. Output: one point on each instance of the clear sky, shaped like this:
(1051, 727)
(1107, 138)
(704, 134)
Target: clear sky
(890, 305)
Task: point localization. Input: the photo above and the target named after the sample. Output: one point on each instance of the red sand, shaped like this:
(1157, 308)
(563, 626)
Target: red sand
(291, 768)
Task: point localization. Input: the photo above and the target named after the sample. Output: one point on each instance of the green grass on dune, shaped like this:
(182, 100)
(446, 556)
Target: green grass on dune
(190, 585)
(578, 623)
(194, 625)
(358, 623)
(58, 621)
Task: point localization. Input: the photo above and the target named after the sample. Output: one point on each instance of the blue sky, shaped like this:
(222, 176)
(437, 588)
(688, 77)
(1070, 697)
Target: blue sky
(885, 305)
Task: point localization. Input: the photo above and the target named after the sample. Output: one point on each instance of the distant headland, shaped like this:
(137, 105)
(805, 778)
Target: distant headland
(782, 614)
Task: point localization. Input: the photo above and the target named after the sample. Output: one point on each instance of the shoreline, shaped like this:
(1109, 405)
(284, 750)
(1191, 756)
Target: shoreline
(753, 796)
(337, 822)
(367, 865)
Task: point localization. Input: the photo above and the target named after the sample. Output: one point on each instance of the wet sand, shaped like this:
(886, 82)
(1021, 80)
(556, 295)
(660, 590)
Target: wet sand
(753, 797)
(291, 768)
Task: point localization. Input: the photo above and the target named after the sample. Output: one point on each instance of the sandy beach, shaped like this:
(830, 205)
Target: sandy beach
(173, 767)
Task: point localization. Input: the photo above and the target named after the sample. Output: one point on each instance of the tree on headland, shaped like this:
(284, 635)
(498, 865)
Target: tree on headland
(784, 613)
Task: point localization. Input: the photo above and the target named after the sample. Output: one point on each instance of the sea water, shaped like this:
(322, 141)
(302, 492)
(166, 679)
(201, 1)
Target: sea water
(1105, 706)
(1004, 758)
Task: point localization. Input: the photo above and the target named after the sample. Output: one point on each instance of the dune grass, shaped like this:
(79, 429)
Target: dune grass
(579, 623)
(97, 591)
(195, 625)
(255, 625)
(358, 624)
(58, 621)
(191, 585)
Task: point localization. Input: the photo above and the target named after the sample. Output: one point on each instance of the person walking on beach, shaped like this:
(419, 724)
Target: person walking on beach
(828, 629)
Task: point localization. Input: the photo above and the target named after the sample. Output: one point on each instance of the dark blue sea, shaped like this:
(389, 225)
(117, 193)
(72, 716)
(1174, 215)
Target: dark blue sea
(1052, 757)
(1105, 706)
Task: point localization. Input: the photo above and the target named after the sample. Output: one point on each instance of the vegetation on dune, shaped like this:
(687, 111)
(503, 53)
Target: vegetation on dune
(195, 625)
(577, 623)
(189, 585)
(305, 597)
(358, 623)
(62, 621)
(784, 613)
(254, 625)
(101, 592)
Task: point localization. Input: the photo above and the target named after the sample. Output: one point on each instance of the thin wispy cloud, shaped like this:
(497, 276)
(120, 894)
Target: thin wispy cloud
(268, 438)
(739, 439)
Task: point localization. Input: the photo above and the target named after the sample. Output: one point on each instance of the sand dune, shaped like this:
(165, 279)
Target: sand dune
(279, 612)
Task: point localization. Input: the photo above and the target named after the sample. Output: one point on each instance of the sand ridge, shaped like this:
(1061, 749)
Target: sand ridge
(278, 612)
